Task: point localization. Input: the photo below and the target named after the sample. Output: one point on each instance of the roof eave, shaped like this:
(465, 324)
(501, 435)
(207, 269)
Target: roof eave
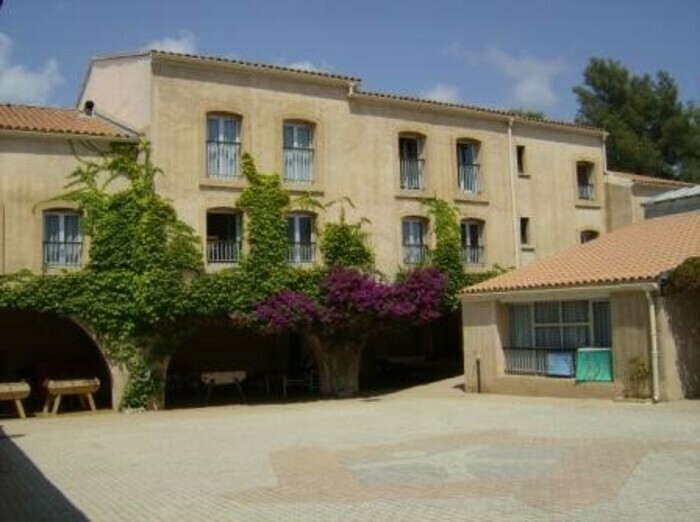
(545, 292)
(67, 135)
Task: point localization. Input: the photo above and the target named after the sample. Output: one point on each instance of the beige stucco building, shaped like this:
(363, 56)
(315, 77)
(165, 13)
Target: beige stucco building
(592, 321)
(523, 189)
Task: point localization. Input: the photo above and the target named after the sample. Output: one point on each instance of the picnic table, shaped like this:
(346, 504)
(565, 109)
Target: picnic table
(15, 391)
(57, 388)
(222, 378)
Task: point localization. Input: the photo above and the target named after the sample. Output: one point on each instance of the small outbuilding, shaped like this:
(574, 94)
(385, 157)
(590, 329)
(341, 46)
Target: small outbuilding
(591, 321)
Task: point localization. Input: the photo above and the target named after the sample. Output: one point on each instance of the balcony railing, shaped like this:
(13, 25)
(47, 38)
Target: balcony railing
(226, 251)
(412, 173)
(468, 178)
(299, 253)
(298, 165)
(62, 253)
(586, 191)
(223, 159)
(540, 361)
(415, 254)
(473, 255)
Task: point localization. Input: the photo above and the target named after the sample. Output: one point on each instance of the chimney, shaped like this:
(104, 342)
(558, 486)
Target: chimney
(89, 108)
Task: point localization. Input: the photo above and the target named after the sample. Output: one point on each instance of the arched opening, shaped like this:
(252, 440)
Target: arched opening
(39, 346)
(219, 347)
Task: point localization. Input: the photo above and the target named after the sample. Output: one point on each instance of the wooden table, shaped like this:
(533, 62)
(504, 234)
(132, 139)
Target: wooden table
(83, 388)
(211, 379)
(15, 391)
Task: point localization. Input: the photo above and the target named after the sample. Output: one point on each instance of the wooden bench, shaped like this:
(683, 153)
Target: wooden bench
(15, 391)
(83, 388)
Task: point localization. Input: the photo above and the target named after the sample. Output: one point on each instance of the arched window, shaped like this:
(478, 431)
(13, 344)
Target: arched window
(588, 235)
(300, 238)
(224, 236)
(468, 167)
(472, 232)
(411, 161)
(298, 151)
(413, 240)
(63, 243)
(223, 145)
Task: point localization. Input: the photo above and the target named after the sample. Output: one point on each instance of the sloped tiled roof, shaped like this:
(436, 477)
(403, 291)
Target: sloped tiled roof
(692, 191)
(57, 121)
(355, 82)
(257, 65)
(638, 179)
(636, 253)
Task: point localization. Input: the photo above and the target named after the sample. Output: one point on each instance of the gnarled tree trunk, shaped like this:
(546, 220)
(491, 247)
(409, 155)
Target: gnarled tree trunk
(338, 364)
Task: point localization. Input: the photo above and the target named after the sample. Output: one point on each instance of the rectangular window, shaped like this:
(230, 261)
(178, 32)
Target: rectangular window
(472, 242)
(223, 146)
(62, 240)
(298, 150)
(520, 158)
(468, 168)
(300, 238)
(411, 162)
(584, 180)
(524, 231)
(413, 240)
(224, 232)
(545, 337)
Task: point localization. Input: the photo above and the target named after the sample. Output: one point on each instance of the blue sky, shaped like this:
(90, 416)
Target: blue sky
(496, 53)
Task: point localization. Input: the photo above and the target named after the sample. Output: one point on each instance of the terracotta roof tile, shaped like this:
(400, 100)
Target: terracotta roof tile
(57, 121)
(636, 253)
(638, 179)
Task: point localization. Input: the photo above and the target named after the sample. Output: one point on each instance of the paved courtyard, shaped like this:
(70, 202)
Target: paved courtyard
(429, 453)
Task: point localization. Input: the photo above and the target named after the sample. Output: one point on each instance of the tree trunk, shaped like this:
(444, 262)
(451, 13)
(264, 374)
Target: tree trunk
(338, 364)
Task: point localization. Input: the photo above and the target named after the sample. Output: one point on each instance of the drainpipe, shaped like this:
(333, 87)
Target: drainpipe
(654, 347)
(511, 177)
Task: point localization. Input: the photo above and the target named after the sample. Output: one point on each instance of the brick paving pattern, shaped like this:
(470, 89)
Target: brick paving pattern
(430, 453)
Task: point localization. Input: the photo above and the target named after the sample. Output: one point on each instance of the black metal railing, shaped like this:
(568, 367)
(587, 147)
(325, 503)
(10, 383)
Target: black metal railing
(468, 178)
(415, 254)
(412, 173)
(62, 253)
(298, 165)
(473, 255)
(299, 253)
(223, 251)
(223, 159)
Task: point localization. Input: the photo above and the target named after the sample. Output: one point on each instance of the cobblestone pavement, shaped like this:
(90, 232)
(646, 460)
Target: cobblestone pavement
(429, 453)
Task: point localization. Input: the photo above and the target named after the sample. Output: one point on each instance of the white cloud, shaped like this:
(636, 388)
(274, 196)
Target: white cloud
(18, 84)
(532, 77)
(441, 92)
(185, 42)
(303, 65)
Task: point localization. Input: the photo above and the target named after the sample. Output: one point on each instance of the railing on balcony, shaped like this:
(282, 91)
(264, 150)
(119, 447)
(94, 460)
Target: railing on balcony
(415, 254)
(412, 173)
(468, 178)
(298, 165)
(473, 255)
(226, 251)
(540, 361)
(586, 191)
(299, 253)
(223, 159)
(62, 253)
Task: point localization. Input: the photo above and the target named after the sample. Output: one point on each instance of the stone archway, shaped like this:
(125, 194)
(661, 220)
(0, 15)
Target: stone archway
(37, 346)
(219, 346)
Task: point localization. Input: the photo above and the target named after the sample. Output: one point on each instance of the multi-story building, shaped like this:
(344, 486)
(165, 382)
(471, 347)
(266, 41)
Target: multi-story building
(523, 188)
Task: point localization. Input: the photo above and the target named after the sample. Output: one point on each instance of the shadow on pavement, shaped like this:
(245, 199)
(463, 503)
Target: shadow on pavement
(25, 493)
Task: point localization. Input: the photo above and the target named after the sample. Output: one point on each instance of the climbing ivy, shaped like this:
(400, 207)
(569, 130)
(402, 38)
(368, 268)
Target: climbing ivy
(345, 244)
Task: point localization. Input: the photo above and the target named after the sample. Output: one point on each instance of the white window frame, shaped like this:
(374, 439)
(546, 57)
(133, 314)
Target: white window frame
(298, 154)
(60, 251)
(301, 252)
(218, 147)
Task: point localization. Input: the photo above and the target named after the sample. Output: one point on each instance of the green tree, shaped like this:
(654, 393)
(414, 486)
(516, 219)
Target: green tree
(651, 131)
